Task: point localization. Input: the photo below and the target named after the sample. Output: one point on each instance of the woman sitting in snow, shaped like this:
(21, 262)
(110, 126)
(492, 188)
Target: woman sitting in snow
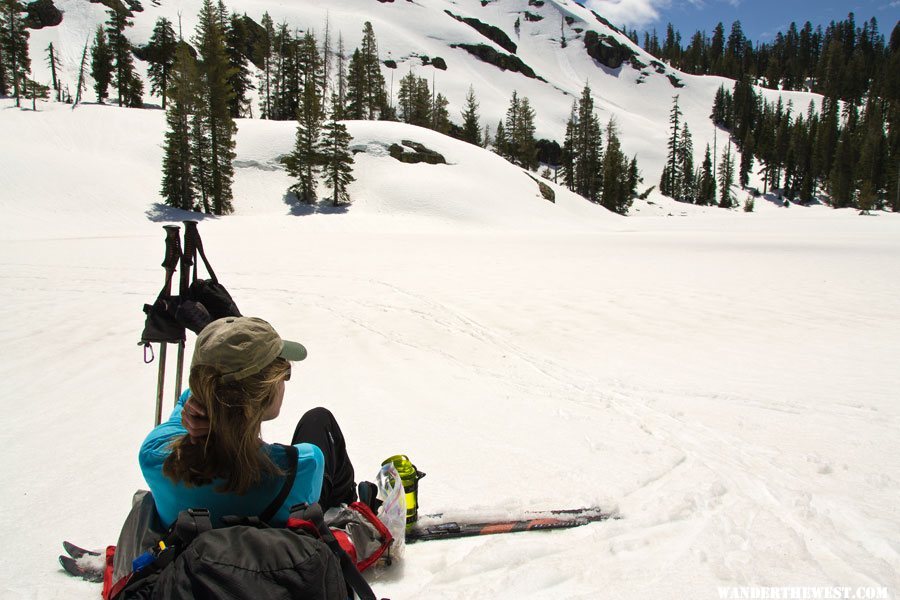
(210, 454)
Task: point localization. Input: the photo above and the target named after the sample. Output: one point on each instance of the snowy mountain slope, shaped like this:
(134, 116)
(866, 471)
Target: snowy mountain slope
(639, 99)
(103, 161)
(726, 381)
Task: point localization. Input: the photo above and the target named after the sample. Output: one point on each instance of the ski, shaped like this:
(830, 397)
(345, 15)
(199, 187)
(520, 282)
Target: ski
(436, 527)
(81, 568)
(77, 551)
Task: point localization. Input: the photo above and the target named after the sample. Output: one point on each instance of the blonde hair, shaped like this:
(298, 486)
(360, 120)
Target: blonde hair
(231, 450)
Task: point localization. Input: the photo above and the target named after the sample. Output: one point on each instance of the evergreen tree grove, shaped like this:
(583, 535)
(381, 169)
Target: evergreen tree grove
(161, 56)
(101, 65)
(178, 184)
(305, 160)
(214, 129)
(129, 88)
(15, 62)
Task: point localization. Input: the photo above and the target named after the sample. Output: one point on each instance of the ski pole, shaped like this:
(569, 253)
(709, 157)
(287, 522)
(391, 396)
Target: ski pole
(170, 262)
(187, 259)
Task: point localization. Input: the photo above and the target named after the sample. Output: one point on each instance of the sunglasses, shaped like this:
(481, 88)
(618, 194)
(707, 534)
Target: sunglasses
(287, 376)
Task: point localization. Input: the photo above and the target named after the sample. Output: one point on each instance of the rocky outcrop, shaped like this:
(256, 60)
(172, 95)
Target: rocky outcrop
(504, 62)
(495, 34)
(42, 13)
(607, 50)
(414, 152)
(129, 7)
(546, 191)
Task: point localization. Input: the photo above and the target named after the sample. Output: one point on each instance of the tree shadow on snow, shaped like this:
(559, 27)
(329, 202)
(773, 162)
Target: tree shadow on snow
(322, 207)
(162, 213)
(781, 201)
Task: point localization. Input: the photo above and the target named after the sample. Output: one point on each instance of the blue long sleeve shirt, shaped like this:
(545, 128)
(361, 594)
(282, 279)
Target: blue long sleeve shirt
(172, 497)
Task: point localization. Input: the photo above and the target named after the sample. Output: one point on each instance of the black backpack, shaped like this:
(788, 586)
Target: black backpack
(248, 560)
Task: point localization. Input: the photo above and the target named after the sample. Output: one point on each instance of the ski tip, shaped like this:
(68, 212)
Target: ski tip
(77, 551)
(71, 566)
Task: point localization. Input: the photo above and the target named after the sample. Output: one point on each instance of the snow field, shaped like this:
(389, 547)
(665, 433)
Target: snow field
(725, 381)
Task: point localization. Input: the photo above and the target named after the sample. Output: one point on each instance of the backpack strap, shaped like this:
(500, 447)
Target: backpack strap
(313, 514)
(272, 509)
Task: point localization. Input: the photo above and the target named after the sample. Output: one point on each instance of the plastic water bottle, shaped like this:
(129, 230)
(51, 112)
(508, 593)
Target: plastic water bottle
(410, 477)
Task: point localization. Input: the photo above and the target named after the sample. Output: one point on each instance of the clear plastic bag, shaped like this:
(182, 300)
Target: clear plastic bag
(393, 509)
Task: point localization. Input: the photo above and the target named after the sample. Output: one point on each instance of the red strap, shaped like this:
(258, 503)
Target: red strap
(346, 543)
(307, 526)
(365, 511)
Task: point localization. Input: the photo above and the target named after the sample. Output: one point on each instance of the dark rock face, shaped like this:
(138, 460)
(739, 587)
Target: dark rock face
(505, 62)
(415, 153)
(676, 83)
(129, 7)
(606, 22)
(437, 62)
(529, 16)
(42, 13)
(607, 50)
(492, 33)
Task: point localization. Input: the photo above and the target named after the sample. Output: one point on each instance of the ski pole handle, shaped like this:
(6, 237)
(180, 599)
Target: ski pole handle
(173, 248)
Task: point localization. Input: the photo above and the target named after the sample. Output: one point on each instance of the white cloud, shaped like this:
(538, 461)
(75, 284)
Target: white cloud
(630, 13)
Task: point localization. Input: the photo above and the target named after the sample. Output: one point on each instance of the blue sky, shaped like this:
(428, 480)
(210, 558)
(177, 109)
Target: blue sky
(760, 19)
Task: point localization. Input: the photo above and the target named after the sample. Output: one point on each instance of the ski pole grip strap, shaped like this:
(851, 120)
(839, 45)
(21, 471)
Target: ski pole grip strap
(272, 509)
(194, 234)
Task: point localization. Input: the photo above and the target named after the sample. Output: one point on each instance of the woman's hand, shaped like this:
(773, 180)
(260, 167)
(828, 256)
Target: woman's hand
(194, 420)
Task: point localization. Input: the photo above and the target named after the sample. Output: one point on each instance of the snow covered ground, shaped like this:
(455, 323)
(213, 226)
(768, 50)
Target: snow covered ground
(726, 381)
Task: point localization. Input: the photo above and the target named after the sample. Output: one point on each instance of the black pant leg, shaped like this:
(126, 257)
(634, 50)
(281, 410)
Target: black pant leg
(318, 426)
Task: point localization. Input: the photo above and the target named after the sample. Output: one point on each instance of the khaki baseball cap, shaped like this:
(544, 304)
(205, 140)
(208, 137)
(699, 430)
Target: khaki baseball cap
(239, 347)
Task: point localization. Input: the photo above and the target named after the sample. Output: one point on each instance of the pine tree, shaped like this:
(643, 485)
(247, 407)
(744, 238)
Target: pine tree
(288, 88)
(726, 179)
(161, 56)
(871, 165)
(339, 98)
(375, 98)
(670, 185)
(840, 181)
(747, 149)
(686, 183)
(634, 178)
(325, 83)
(81, 86)
(356, 87)
(500, 140)
(406, 97)
(520, 144)
(588, 150)
(471, 130)
(215, 126)
(178, 186)
(101, 65)
(706, 192)
(236, 43)
(54, 64)
(266, 46)
(337, 161)
(305, 160)
(129, 88)
(615, 194)
(440, 117)
(567, 157)
(14, 54)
